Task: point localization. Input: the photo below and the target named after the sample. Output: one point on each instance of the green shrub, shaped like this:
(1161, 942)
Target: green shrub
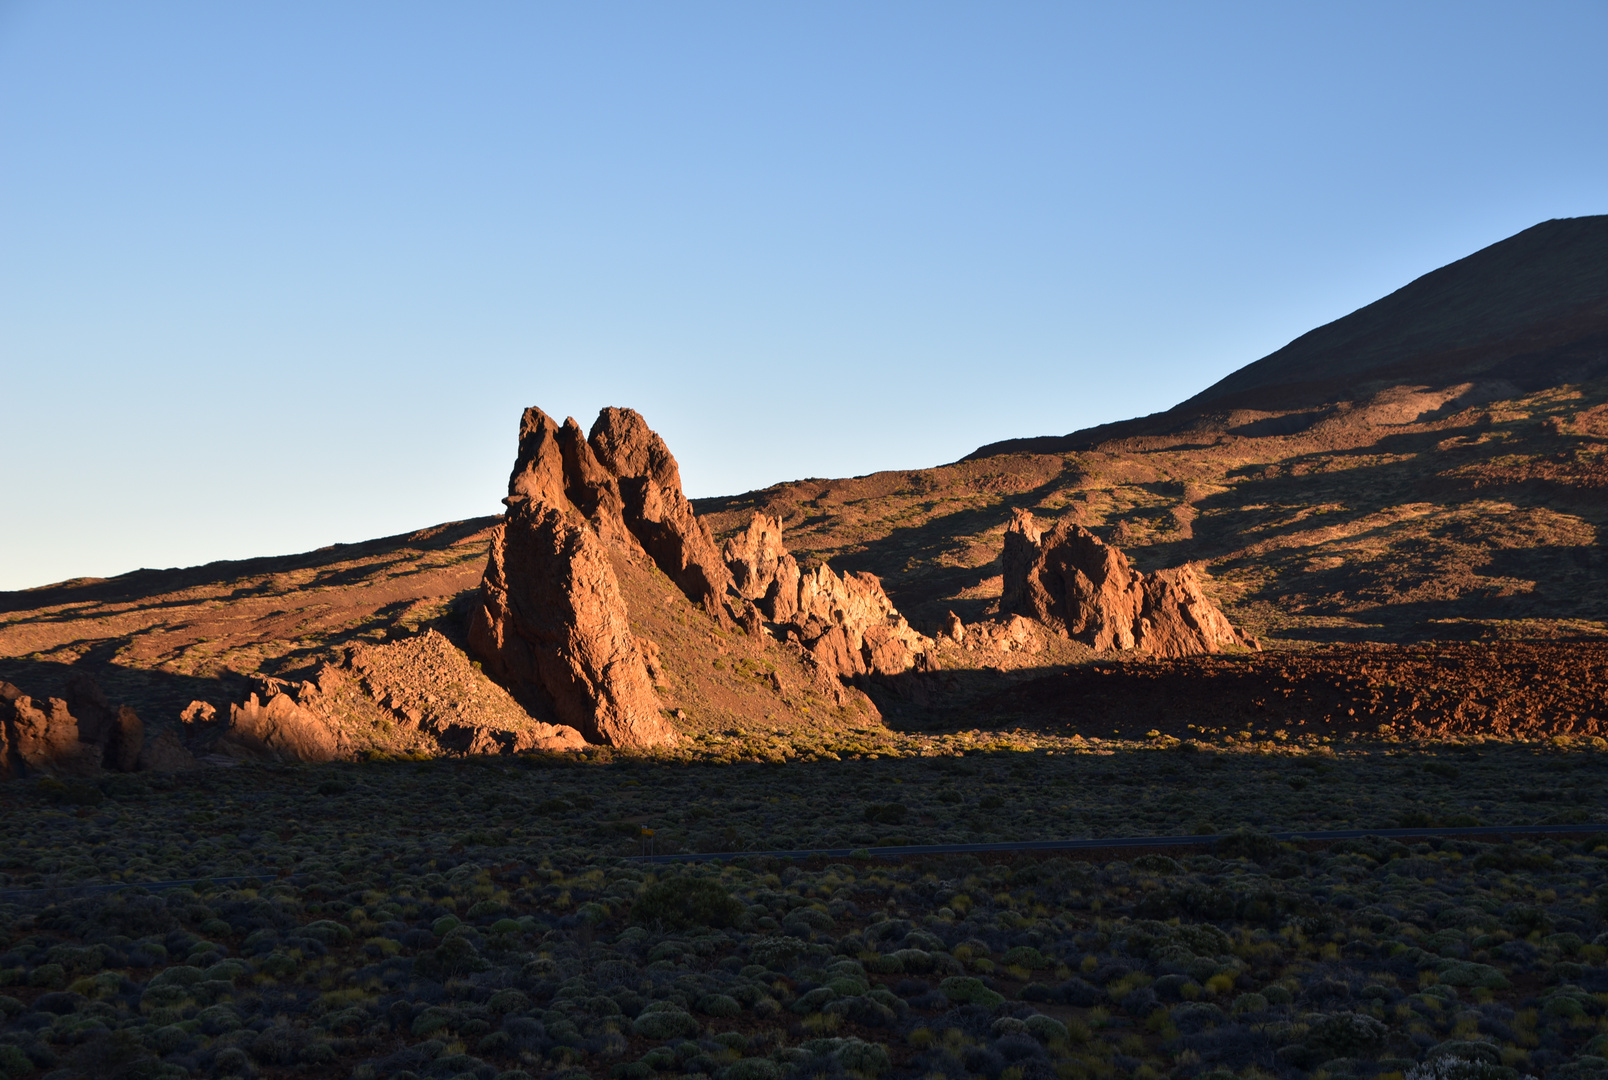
(813, 1000)
(166, 1040)
(1346, 1034)
(666, 1024)
(508, 1001)
(750, 1069)
(1046, 1029)
(1025, 956)
(14, 1063)
(328, 931)
(485, 909)
(1157, 864)
(814, 918)
(852, 1055)
(719, 1005)
(1246, 844)
(684, 903)
(968, 990)
(178, 975)
(49, 976)
(279, 965)
(432, 1020)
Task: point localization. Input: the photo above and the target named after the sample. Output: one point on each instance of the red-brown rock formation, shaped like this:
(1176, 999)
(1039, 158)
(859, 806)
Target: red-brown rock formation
(551, 624)
(280, 726)
(761, 569)
(847, 624)
(119, 731)
(656, 511)
(1077, 585)
(11, 765)
(75, 736)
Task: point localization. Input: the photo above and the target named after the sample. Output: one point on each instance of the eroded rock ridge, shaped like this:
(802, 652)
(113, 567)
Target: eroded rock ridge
(1077, 585)
(846, 623)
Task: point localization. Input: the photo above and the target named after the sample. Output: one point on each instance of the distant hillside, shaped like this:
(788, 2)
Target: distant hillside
(1434, 465)
(1526, 314)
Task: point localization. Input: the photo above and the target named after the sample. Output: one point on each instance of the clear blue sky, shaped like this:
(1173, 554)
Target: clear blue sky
(278, 275)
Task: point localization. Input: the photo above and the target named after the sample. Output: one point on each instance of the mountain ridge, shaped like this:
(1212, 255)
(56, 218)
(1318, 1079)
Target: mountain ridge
(1524, 313)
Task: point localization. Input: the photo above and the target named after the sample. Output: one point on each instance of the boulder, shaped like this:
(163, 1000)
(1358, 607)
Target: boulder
(552, 626)
(1179, 620)
(1077, 585)
(551, 738)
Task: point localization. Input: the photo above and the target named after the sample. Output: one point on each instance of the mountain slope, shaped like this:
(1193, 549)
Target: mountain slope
(1525, 314)
(1432, 465)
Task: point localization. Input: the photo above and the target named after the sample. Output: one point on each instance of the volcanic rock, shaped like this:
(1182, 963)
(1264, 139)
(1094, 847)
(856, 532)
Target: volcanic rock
(278, 727)
(45, 737)
(846, 623)
(552, 625)
(119, 731)
(427, 683)
(1079, 586)
(167, 753)
(77, 735)
(656, 511)
(10, 763)
(761, 569)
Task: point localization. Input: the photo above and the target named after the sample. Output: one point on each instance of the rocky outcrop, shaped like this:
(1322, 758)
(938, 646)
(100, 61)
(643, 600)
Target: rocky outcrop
(762, 571)
(551, 624)
(656, 511)
(845, 623)
(280, 722)
(118, 730)
(622, 481)
(78, 735)
(1079, 586)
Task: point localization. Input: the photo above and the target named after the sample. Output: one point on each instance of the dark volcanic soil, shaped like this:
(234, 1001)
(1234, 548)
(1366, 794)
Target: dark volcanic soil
(1504, 690)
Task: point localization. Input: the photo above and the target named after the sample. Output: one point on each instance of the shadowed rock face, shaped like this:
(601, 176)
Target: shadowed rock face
(75, 736)
(1076, 584)
(552, 624)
